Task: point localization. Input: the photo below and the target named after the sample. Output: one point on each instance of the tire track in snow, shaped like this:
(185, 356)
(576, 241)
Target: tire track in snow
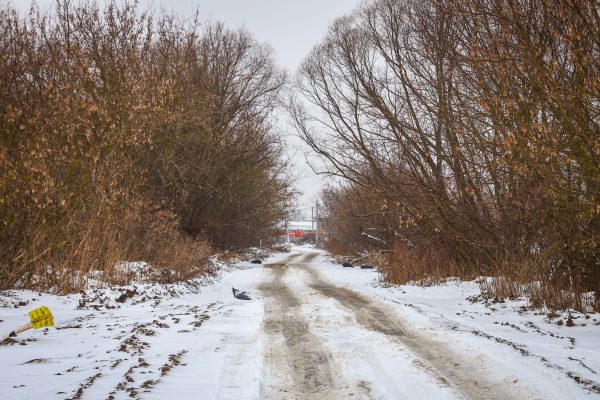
(299, 353)
(437, 359)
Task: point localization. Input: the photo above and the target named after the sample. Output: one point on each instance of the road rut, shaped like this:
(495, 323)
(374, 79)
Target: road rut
(307, 369)
(301, 353)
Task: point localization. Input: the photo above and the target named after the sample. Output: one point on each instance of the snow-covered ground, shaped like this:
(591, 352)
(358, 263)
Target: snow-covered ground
(313, 329)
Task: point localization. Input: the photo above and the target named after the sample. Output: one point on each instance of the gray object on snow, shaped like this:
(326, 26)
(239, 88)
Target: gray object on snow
(238, 294)
(257, 261)
(366, 267)
(347, 265)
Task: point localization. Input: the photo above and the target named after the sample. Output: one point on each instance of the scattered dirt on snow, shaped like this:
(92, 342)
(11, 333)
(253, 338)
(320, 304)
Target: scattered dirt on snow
(442, 363)
(310, 367)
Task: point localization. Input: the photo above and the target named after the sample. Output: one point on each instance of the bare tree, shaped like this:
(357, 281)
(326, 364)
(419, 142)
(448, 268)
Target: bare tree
(478, 120)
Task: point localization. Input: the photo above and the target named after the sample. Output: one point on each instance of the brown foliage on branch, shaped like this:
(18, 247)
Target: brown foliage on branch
(476, 120)
(126, 135)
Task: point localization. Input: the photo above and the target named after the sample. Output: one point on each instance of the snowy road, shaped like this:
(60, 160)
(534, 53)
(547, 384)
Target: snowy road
(300, 326)
(313, 330)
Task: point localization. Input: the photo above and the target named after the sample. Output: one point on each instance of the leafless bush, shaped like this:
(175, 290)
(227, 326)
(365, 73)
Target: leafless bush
(425, 267)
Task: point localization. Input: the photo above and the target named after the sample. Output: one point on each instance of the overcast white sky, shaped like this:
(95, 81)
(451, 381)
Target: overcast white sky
(292, 27)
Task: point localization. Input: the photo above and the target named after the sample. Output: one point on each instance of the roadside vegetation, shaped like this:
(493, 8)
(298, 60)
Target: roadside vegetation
(465, 138)
(128, 135)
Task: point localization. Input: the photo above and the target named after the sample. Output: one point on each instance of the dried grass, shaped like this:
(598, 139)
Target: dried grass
(102, 245)
(531, 279)
(424, 267)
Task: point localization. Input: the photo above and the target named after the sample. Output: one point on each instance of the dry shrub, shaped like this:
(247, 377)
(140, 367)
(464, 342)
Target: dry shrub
(337, 248)
(545, 287)
(501, 288)
(552, 297)
(424, 267)
(106, 247)
(510, 280)
(126, 135)
(376, 257)
(558, 289)
(157, 239)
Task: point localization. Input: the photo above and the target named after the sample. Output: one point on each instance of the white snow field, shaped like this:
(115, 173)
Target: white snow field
(313, 330)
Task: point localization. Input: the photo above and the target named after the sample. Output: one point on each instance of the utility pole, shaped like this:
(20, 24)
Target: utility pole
(312, 218)
(317, 232)
(287, 232)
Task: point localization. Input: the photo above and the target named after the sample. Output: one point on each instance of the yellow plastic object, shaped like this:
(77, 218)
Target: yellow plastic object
(41, 317)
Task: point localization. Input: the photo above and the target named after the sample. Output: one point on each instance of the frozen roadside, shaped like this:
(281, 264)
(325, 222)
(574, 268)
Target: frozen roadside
(162, 342)
(313, 329)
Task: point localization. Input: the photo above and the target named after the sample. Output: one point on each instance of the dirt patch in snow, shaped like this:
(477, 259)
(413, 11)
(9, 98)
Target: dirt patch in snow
(302, 352)
(445, 366)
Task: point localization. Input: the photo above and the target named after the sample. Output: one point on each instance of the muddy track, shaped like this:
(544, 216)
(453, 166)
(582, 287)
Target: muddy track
(302, 353)
(311, 363)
